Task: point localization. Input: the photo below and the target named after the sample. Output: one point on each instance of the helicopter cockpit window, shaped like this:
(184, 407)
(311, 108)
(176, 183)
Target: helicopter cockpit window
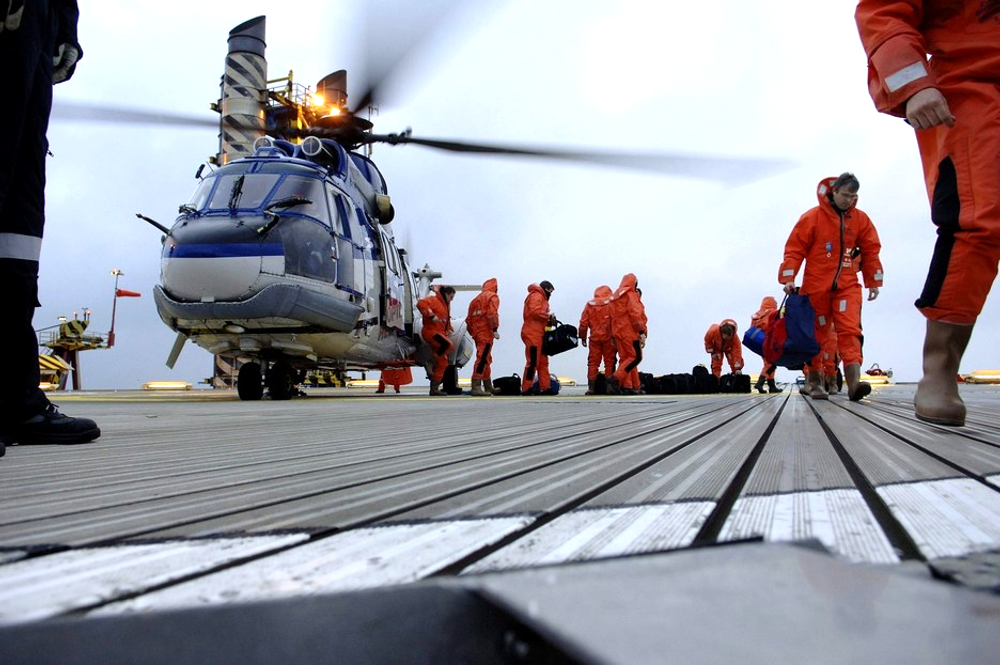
(242, 191)
(309, 250)
(310, 189)
(202, 193)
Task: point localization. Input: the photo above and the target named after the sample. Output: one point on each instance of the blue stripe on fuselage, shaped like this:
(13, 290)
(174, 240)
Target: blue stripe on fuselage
(222, 250)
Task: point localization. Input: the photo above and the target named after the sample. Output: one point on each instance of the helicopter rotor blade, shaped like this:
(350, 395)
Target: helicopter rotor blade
(398, 36)
(84, 112)
(723, 169)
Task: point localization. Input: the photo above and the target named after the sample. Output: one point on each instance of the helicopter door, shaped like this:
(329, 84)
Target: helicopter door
(350, 252)
(365, 237)
(393, 291)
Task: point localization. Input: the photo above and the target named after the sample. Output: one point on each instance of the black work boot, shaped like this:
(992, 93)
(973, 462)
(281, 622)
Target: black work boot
(760, 384)
(772, 387)
(50, 426)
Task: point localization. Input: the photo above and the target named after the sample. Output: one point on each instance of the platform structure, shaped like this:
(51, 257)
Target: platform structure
(560, 522)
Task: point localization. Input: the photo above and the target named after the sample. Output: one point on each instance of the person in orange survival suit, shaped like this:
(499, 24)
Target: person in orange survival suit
(952, 102)
(536, 317)
(395, 377)
(721, 341)
(636, 380)
(596, 320)
(829, 238)
(436, 310)
(760, 319)
(628, 318)
(483, 322)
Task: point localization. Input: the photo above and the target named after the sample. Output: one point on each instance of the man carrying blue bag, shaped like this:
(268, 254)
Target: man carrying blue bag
(833, 239)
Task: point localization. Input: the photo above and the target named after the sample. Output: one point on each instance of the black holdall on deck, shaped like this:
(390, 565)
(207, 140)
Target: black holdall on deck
(508, 385)
(562, 337)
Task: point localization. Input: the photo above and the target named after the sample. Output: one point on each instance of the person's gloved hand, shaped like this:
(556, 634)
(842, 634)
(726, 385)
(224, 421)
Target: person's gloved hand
(583, 341)
(64, 62)
(496, 334)
(642, 341)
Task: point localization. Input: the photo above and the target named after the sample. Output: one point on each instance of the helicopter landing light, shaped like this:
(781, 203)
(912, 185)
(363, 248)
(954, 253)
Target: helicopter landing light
(249, 344)
(234, 328)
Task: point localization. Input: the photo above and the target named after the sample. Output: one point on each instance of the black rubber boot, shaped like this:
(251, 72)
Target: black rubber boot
(771, 387)
(760, 384)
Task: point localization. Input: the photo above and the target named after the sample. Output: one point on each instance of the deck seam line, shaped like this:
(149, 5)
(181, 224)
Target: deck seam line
(894, 530)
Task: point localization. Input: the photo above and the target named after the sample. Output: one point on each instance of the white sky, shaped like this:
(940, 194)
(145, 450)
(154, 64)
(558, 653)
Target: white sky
(723, 78)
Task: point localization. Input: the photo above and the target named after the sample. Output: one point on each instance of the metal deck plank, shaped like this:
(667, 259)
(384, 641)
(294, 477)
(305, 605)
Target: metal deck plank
(959, 446)
(797, 457)
(799, 489)
(883, 458)
(359, 559)
(401, 497)
(235, 482)
(540, 490)
(63, 582)
(945, 512)
(621, 520)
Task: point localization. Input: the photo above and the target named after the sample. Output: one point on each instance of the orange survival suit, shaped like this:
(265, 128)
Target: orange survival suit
(760, 319)
(483, 323)
(732, 349)
(436, 328)
(829, 241)
(961, 165)
(536, 317)
(628, 327)
(596, 320)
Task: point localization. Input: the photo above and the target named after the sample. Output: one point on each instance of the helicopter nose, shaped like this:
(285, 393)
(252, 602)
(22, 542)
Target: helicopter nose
(216, 272)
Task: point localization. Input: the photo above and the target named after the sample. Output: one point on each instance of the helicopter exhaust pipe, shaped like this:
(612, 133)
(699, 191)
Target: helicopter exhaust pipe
(244, 91)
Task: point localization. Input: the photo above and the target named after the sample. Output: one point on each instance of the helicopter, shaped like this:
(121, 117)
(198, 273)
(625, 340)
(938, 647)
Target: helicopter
(284, 259)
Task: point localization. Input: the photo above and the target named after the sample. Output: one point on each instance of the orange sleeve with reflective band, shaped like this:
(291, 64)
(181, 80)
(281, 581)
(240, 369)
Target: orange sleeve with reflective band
(871, 246)
(713, 338)
(897, 54)
(796, 249)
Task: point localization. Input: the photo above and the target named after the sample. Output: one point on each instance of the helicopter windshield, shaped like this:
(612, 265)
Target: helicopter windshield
(254, 189)
(310, 191)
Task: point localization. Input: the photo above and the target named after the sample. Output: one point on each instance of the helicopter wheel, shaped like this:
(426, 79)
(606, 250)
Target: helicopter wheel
(249, 385)
(281, 380)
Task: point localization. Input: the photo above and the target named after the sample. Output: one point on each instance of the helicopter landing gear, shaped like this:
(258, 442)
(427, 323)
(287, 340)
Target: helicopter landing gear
(281, 381)
(249, 384)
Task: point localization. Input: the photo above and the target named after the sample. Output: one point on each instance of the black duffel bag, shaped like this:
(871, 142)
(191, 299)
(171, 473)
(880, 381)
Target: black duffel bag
(562, 337)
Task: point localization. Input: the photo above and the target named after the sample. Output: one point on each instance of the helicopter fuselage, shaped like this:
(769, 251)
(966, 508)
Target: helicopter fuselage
(280, 258)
